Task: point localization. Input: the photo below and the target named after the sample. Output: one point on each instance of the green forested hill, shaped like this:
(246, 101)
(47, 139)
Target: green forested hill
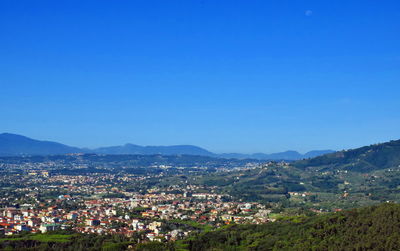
(345, 179)
(364, 159)
(370, 228)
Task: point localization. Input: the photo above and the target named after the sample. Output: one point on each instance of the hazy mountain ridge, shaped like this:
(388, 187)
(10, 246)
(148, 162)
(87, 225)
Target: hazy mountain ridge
(165, 150)
(13, 144)
(16, 145)
(287, 155)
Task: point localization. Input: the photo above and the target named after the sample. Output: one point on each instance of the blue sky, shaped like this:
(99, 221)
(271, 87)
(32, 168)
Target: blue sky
(230, 76)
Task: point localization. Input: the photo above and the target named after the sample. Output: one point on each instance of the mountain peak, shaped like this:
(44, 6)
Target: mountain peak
(12, 135)
(14, 144)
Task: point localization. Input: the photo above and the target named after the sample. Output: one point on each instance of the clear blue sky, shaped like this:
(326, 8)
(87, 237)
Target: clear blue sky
(242, 76)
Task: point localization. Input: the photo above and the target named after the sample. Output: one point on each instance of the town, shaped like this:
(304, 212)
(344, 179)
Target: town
(35, 198)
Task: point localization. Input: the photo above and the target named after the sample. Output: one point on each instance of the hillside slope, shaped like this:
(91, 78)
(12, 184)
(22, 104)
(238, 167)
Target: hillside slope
(370, 228)
(364, 159)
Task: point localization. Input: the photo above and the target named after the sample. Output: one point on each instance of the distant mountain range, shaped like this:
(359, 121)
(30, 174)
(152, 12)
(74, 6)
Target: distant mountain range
(18, 145)
(163, 150)
(288, 155)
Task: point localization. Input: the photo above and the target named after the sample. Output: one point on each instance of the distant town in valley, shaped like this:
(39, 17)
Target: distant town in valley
(171, 199)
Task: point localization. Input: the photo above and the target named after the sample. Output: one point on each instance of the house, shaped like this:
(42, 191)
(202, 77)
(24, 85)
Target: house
(49, 227)
(92, 222)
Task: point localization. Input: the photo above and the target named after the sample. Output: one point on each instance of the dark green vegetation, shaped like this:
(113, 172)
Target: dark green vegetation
(66, 240)
(371, 228)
